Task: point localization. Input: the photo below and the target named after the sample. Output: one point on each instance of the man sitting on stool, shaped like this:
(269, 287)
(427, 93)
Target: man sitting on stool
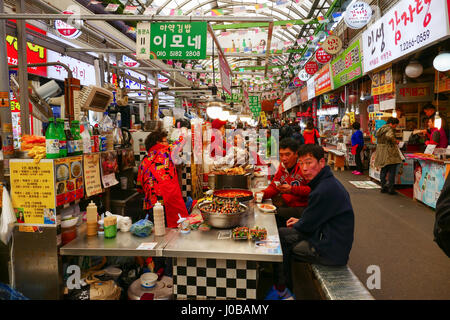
(324, 233)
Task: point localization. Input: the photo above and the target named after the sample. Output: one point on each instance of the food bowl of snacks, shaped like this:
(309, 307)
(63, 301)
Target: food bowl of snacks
(222, 213)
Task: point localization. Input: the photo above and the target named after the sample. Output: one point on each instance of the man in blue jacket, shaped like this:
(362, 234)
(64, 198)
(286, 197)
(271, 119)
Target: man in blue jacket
(324, 233)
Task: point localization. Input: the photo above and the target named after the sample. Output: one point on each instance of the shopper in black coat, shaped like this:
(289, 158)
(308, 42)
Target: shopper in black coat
(442, 223)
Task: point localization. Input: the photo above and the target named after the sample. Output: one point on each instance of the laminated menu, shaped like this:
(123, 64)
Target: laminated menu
(69, 180)
(109, 168)
(92, 174)
(33, 191)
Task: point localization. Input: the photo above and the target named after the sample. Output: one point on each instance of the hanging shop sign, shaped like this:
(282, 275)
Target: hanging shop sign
(357, 15)
(33, 191)
(225, 73)
(178, 40)
(236, 97)
(162, 79)
(304, 94)
(311, 88)
(254, 104)
(347, 66)
(311, 67)
(443, 83)
(322, 56)
(382, 81)
(130, 63)
(303, 75)
(287, 104)
(80, 69)
(297, 82)
(407, 27)
(417, 92)
(323, 80)
(332, 45)
(66, 29)
(35, 53)
(387, 101)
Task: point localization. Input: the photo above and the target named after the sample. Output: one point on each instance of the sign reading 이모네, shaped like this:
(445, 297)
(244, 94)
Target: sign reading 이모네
(408, 26)
(177, 40)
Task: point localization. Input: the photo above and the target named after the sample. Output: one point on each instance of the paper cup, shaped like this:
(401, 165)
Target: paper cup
(259, 197)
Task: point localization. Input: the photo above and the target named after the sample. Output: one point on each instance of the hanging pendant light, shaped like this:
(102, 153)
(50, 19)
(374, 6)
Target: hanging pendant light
(442, 61)
(394, 114)
(414, 69)
(437, 121)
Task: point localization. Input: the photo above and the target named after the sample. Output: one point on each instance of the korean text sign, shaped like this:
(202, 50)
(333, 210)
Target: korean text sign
(176, 40)
(347, 66)
(33, 191)
(408, 26)
(323, 80)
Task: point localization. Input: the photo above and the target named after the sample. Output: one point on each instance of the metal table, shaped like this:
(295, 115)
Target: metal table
(205, 244)
(205, 267)
(124, 244)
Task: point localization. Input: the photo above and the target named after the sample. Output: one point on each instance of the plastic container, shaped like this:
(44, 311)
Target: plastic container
(159, 221)
(110, 227)
(113, 272)
(52, 140)
(148, 280)
(183, 225)
(100, 227)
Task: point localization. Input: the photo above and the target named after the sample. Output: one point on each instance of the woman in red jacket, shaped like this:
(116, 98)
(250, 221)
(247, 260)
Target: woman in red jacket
(310, 134)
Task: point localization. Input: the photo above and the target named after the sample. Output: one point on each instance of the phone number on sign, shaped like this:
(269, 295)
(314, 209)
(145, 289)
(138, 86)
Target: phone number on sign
(421, 37)
(178, 54)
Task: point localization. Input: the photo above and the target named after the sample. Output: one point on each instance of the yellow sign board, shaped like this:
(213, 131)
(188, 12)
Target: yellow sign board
(263, 119)
(33, 191)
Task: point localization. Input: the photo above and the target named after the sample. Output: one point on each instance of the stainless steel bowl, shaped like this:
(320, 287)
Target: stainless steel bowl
(222, 221)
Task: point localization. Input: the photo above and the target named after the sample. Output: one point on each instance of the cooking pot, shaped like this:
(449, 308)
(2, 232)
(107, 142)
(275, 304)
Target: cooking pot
(239, 181)
(221, 220)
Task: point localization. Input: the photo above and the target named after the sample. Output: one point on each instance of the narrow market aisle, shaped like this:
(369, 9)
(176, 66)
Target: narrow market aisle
(396, 234)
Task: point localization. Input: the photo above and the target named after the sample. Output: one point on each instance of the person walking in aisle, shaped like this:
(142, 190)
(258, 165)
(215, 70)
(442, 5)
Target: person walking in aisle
(357, 147)
(387, 155)
(310, 134)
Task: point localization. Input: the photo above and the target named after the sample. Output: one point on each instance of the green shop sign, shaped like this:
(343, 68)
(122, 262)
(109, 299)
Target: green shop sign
(235, 98)
(347, 66)
(254, 104)
(178, 40)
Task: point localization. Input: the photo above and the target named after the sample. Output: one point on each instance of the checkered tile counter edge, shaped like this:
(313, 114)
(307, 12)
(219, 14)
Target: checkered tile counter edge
(214, 279)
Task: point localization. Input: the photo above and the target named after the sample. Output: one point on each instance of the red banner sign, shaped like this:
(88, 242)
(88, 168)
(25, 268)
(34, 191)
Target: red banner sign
(35, 53)
(322, 56)
(311, 67)
(323, 80)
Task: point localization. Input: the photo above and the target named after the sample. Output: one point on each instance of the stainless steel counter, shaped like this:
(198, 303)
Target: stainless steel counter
(124, 244)
(205, 244)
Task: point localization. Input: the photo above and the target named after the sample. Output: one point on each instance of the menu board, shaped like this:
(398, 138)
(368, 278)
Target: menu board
(109, 167)
(69, 180)
(382, 81)
(92, 174)
(33, 191)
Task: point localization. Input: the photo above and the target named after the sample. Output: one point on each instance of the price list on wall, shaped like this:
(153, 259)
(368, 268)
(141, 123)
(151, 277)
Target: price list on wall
(33, 191)
(92, 174)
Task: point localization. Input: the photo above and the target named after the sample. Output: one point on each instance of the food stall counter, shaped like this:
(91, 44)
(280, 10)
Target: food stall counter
(124, 244)
(429, 177)
(206, 267)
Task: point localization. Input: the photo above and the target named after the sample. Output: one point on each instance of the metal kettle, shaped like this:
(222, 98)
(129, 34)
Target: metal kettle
(127, 138)
(118, 137)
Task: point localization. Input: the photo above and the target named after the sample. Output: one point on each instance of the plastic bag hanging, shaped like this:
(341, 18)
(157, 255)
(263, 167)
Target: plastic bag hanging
(7, 219)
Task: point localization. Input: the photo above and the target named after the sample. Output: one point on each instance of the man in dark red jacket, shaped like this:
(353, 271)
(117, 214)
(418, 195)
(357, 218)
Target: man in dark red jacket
(290, 183)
